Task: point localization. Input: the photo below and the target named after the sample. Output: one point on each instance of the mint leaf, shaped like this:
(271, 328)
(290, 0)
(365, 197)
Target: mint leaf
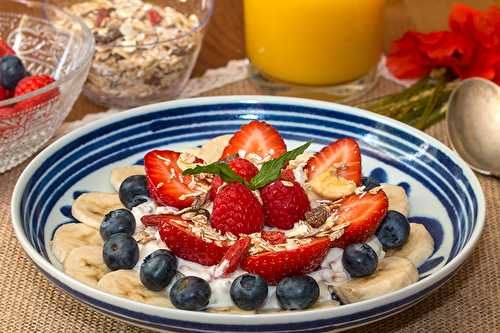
(271, 170)
(218, 168)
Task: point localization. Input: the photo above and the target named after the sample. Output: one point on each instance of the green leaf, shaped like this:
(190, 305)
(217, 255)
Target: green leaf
(271, 170)
(218, 168)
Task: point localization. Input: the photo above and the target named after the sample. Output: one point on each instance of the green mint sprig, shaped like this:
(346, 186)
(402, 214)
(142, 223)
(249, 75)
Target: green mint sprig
(269, 172)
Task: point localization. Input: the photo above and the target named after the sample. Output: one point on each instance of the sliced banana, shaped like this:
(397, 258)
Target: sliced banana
(119, 174)
(392, 274)
(212, 150)
(192, 150)
(329, 186)
(418, 247)
(398, 200)
(126, 283)
(86, 264)
(71, 236)
(90, 208)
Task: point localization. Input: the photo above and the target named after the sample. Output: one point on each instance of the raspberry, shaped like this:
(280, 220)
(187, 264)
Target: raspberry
(243, 168)
(285, 203)
(33, 83)
(237, 210)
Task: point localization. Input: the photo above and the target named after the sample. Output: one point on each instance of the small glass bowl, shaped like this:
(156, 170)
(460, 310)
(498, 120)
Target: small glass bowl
(127, 75)
(50, 42)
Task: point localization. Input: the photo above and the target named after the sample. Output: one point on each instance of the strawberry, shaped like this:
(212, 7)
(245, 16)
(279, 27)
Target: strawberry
(256, 137)
(285, 203)
(5, 94)
(5, 49)
(166, 183)
(364, 212)
(186, 245)
(243, 168)
(344, 155)
(274, 237)
(237, 210)
(30, 84)
(154, 17)
(273, 266)
(287, 174)
(233, 257)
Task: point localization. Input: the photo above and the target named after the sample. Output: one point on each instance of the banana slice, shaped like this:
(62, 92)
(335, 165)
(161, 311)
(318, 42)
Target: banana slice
(392, 274)
(119, 174)
(418, 247)
(329, 186)
(86, 264)
(126, 283)
(192, 150)
(212, 150)
(398, 200)
(71, 236)
(90, 208)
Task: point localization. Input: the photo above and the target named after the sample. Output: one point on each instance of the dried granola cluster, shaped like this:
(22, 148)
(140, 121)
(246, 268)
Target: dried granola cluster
(143, 51)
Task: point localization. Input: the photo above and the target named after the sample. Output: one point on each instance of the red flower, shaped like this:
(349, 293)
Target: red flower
(471, 48)
(405, 60)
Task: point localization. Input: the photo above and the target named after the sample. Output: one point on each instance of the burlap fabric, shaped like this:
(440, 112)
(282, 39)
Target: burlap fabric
(470, 302)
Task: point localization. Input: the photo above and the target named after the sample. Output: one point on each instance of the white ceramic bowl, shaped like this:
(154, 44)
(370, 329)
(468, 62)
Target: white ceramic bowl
(444, 193)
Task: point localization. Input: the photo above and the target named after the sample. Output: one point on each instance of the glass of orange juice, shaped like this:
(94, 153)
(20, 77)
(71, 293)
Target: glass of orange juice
(315, 47)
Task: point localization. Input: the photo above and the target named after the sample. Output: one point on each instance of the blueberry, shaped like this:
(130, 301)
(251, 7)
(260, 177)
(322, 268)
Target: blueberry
(120, 251)
(369, 183)
(335, 297)
(116, 222)
(394, 230)
(190, 293)
(158, 269)
(134, 191)
(297, 292)
(11, 71)
(249, 291)
(359, 260)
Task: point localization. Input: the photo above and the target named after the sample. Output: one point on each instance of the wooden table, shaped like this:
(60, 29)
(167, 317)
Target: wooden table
(225, 41)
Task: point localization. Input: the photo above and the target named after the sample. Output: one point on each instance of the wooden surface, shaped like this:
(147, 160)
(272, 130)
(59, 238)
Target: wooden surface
(225, 41)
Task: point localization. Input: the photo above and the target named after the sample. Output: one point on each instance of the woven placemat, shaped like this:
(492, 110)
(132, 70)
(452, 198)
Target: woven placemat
(470, 302)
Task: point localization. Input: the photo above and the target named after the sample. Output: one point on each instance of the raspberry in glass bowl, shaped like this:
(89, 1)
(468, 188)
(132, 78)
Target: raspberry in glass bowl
(45, 55)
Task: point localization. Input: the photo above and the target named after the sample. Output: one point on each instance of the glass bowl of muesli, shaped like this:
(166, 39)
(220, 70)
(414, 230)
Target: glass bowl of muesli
(145, 52)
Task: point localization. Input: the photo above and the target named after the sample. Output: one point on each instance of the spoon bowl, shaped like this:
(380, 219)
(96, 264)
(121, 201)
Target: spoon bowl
(473, 121)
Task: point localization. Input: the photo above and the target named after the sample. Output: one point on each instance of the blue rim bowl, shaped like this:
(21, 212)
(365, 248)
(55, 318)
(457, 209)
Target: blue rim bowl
(445, 195)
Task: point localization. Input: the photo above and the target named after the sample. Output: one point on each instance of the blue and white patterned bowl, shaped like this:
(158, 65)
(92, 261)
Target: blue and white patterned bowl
(444, 193)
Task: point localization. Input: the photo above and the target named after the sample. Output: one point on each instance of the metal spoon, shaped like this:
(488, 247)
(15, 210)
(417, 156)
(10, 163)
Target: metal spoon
(473, 121)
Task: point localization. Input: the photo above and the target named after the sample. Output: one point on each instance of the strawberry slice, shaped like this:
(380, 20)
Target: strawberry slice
(5, 49)
(344, 155)
(256, 137)
(273, 266)
(274, 237)
(166, 183)
(364, 212)
(186, 245)
(233, 257)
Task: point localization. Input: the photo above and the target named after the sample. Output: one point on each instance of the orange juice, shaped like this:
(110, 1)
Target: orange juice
(314, 42)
